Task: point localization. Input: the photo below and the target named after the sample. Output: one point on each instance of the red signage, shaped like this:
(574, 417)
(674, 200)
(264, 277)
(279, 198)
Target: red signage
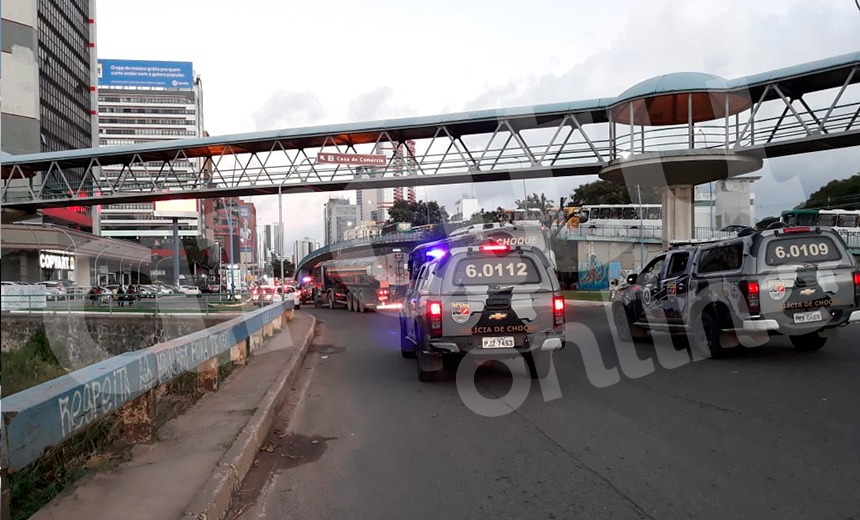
(352, 158)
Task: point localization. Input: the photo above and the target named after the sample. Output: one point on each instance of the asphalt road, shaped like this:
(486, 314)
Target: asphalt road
(766, 433)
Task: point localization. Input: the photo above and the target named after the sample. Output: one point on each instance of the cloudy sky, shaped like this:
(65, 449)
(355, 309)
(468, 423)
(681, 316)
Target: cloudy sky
(268, 64)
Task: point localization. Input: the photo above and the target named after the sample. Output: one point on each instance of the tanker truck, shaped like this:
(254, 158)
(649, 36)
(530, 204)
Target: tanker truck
(362, 284)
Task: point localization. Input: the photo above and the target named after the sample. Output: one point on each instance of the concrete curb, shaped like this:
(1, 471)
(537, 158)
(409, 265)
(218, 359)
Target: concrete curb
(212, 502)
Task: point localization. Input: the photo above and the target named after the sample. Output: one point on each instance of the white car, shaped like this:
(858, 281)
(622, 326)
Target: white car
(292, 293)
(189, 290)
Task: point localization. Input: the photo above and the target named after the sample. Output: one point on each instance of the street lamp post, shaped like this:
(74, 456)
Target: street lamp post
(711, 200)
(230, 245)
(281, 228)
(159, 263)
(96, 268)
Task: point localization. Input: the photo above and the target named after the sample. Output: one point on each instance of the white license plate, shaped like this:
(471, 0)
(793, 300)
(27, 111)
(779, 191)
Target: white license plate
(498, 342)
(808, 317)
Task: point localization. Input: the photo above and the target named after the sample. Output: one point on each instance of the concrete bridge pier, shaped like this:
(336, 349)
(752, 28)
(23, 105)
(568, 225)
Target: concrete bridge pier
(678, 213)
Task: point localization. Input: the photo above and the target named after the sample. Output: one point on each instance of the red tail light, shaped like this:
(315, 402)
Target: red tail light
(856, 288)
(751, 292)
(558, 311)
(382, 294)
(797, 229)
(434, 318)
(494, 248)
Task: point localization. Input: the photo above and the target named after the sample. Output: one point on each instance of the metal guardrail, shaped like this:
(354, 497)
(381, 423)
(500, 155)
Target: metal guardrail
(110, 303)
(52, 412)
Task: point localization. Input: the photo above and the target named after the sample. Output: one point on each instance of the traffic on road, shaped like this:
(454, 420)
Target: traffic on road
(654, 410)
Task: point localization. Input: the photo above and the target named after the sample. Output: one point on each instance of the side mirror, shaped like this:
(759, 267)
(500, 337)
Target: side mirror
(631, 279)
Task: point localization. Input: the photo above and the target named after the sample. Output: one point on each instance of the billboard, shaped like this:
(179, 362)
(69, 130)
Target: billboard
(140, 73)
(247, 237)
(179, 208)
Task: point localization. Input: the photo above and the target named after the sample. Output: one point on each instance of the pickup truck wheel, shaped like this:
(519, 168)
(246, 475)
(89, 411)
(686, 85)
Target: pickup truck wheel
(626, 330)
(622, 325)
(808, 342)
(538, 364)
(706, 336)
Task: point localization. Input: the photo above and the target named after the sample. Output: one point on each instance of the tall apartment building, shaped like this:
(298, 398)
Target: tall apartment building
(373, 203)
(304, 247)
(338, 216)
(144, 102)
(48, 86)
(272, 242)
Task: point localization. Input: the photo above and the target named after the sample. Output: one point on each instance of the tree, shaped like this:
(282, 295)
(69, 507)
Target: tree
(608, 192)
(289, 268)
(842, 194)
(487, 217)
(417, 212)
(550, 215)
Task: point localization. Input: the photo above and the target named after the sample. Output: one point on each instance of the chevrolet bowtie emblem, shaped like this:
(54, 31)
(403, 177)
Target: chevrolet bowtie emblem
(807, 292)
(498, 316)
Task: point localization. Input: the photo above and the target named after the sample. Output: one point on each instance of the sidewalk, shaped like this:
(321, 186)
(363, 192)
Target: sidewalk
(193, 464)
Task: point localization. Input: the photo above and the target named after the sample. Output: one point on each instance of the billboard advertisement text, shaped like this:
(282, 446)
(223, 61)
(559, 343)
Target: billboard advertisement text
(139, 73)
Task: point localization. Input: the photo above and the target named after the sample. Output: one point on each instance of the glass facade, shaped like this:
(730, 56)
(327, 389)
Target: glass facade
(64, 84)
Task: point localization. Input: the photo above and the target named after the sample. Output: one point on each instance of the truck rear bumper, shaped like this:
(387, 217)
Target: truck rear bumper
(547, 345)
(759, 325)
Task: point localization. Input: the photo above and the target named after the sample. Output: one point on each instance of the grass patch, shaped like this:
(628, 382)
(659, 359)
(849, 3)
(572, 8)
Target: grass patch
(97, 448)
(32, 364)
(592, 296)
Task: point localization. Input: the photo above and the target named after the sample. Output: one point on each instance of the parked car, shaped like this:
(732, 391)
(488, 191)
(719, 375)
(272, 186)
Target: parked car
(190, 290)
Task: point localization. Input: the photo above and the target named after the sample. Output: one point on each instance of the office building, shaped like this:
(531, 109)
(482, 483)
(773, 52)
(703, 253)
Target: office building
(338, 216)
(48, 85)
(147, 102)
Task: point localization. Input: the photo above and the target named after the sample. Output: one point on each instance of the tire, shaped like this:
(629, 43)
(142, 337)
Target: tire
(706, 336)
(538, 364)
(808, 342)
(622, 324)
(626, 330)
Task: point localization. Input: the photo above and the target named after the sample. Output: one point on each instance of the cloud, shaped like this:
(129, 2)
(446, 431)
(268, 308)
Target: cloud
(288, 110)
(732, 38)
(377, 104)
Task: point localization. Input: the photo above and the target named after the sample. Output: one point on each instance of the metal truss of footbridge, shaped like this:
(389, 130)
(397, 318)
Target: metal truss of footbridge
(799, 109)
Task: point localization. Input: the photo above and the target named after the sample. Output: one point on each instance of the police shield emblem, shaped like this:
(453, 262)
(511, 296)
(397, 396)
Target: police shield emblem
(776, 289)
(460, 312)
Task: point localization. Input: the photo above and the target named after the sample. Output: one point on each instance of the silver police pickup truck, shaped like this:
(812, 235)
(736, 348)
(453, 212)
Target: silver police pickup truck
(491, 300)
(796, 281)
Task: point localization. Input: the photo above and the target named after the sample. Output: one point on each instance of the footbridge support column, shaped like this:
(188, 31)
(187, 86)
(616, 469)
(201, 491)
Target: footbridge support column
(678, 212)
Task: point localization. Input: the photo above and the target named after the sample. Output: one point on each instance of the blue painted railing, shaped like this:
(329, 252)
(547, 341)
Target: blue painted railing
(48, 414)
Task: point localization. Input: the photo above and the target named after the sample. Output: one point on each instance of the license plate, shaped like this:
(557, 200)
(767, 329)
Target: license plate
(808, 317)
(498, 342)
